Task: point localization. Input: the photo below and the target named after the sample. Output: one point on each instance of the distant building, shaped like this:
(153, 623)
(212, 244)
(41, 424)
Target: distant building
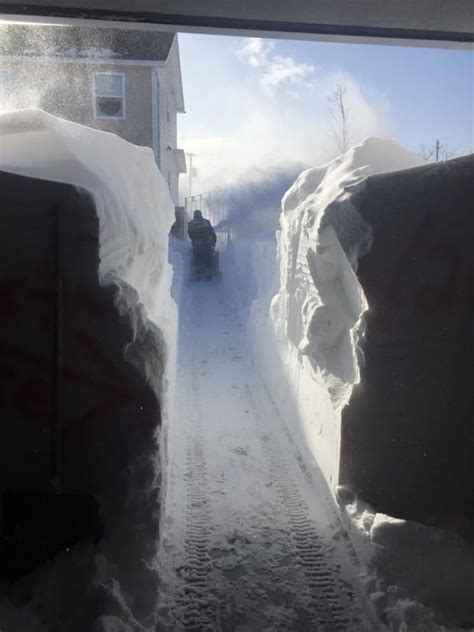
(118, 80)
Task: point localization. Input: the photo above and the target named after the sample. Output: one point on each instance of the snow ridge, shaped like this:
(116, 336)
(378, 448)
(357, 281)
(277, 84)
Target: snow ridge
(320, 303)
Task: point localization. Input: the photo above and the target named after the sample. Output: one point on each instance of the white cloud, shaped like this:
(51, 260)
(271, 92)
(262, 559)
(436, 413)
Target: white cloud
(254, 51)
(286, 69)
(276, 70)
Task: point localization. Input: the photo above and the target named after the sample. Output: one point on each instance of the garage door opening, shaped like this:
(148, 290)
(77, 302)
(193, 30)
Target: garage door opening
(254, 437)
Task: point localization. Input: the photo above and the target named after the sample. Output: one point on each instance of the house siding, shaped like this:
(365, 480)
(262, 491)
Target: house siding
(168, 131)
(67, 90)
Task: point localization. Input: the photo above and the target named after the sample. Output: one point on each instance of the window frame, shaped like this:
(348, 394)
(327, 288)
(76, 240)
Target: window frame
(8, 75)
(95, 96)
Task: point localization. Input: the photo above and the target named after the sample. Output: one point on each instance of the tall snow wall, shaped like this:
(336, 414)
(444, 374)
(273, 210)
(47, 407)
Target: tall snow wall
(306, 337)
(367, 344)
(407, 442)
(108, 207)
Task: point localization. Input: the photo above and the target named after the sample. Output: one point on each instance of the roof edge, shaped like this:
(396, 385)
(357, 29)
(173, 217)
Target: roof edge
(174, 61)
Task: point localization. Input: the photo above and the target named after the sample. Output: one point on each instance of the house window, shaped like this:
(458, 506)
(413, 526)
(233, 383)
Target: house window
(109, 95)
(5, 85)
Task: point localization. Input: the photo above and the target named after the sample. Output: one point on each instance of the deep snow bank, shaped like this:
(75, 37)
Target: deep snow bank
(406, 434)
(119, 336)
(306, 339)
(419, 578)
(322, 238)
(131, 196)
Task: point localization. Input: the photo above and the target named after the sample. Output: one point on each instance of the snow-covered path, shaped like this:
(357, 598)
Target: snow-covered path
(249, 540)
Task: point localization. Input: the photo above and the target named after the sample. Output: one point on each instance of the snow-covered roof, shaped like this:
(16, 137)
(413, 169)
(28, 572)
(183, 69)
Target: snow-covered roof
(84, 42)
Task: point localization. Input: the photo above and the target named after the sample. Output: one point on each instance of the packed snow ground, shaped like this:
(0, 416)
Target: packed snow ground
(250, 540)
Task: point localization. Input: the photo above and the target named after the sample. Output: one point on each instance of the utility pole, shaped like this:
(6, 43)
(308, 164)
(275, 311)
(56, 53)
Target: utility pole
(190, 176)
(437, 149)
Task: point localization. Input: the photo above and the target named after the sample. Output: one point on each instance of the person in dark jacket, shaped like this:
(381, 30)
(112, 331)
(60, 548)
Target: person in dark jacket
(203, 238)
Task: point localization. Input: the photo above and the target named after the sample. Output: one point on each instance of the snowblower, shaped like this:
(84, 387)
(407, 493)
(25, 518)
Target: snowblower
(204, 264)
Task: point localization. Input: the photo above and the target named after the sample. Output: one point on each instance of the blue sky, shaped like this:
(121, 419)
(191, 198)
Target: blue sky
(429, 91)
(252, 102)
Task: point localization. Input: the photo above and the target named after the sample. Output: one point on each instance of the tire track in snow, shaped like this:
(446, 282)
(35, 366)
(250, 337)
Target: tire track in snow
(197, 607)
(356, 590)
(233, 566)
(327, 599)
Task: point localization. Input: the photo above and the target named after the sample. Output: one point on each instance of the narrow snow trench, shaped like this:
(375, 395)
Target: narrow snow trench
(249, 542)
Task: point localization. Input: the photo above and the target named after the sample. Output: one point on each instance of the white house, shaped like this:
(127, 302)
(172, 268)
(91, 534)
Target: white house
(125, 81)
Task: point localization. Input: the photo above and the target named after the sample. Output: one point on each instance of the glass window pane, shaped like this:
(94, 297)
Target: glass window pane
(108, 85)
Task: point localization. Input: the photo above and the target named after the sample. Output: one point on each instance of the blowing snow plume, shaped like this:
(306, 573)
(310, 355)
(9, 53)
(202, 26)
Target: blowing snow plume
(252, 206)
(39, 60)
(261, 108)
(22, 47)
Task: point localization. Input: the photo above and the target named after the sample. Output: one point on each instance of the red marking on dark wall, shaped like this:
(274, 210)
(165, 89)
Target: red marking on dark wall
(425, 250)
(10, 289)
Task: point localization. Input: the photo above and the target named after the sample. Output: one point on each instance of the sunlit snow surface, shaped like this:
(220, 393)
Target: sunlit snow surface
(320, 301)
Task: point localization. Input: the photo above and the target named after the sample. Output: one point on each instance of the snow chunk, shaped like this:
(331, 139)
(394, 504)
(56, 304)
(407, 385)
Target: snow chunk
(422, 577)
